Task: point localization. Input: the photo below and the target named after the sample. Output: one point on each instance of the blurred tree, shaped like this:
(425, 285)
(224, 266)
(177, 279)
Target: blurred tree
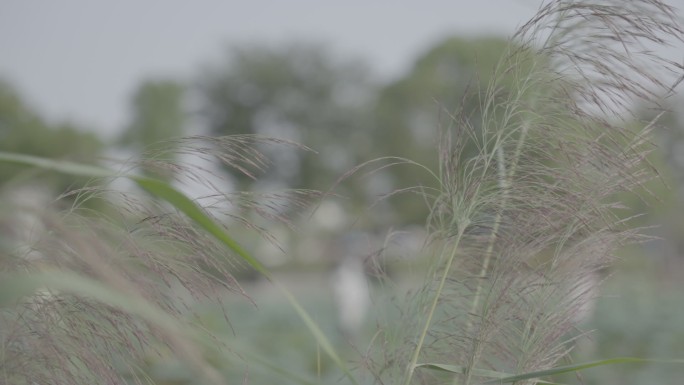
(449, 78)
(23, 131)
(664, 201)
(158, 115)
(298, 93)
(670, 136)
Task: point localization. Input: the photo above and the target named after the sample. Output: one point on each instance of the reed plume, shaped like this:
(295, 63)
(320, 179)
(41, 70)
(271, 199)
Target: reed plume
(145, 254)
(525, 211)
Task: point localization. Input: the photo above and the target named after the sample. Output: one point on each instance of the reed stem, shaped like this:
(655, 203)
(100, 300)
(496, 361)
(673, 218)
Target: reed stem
(433, 306)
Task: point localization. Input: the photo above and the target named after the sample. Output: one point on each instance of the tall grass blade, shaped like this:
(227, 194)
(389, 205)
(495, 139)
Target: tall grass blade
(575, 368)
(184, 204)
(504, 378)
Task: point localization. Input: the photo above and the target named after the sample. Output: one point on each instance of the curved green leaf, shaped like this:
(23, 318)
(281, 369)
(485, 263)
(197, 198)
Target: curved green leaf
(461, 370)
(184, 204)
(575, 368)
(155, 187)
(62, 166)
(504, 378)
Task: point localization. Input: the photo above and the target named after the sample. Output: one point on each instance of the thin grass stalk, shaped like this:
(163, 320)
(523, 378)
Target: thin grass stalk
(505, 180)
(504, 186)
(505, 176)
(428, 322)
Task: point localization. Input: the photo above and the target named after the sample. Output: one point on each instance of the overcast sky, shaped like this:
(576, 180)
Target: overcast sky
(80, 60)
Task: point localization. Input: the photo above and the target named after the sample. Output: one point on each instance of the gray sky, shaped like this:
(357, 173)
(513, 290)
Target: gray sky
(81, 59)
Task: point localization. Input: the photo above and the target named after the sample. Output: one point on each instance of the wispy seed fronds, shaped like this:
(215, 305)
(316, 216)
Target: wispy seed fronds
(527, 213)
(142, 248)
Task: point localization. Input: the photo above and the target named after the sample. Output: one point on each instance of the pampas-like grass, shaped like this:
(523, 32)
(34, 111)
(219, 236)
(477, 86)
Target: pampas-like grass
(520, 228)
(524, 214)
(139, 248)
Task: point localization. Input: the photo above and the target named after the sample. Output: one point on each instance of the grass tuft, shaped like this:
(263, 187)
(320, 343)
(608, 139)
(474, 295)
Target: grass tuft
(524, 215)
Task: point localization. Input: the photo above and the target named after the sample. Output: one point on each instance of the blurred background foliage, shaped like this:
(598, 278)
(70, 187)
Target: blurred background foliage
(304, 93)
(23, 130)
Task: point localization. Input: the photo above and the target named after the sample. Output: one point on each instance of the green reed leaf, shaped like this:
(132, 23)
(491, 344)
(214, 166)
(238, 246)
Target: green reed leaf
(575, 368)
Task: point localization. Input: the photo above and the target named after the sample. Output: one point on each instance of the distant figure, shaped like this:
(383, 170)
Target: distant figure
(352, 295)
(25, 226)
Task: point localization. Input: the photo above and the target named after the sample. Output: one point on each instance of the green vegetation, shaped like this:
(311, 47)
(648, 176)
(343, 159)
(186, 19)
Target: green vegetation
(521, 191)
(23, 131)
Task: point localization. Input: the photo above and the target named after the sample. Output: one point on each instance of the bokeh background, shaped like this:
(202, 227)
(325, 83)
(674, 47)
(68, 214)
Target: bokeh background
(354, 81)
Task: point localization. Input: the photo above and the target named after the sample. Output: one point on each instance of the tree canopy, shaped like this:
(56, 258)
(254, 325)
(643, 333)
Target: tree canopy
(23, 130)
